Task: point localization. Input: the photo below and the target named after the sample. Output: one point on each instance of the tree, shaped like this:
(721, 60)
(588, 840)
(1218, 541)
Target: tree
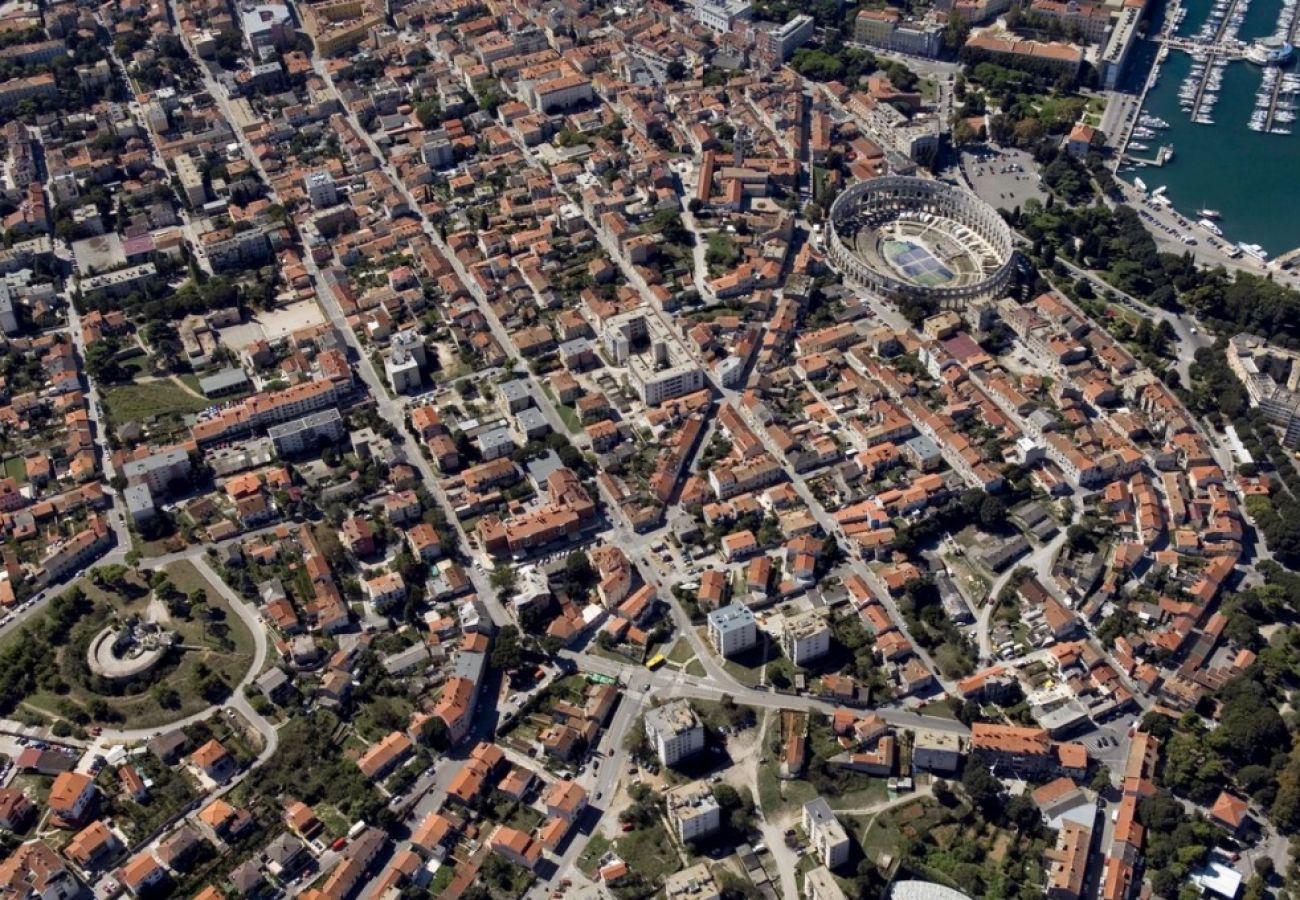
(428, 113)
(955, 34)
(676, 71)
(166, 696)
(504, 578)
(984, 791)
(578, 573)
(436, 734)
(1028, 132)
(507, 653)
(668, 223)
(963, 132)
(101, 362)
(1285, 811)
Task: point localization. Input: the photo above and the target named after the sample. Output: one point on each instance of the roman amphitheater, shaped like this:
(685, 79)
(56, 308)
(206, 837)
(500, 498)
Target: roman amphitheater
(902, 236)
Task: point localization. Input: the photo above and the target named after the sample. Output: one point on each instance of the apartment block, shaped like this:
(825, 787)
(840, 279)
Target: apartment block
(693, 811)
(675, 731)
(732, 630)
(827, 835)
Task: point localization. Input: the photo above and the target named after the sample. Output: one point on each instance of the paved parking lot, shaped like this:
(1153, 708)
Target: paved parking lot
(1002, 178)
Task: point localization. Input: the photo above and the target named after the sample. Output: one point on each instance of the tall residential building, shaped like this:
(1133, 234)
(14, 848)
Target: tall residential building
(806, 637)
(693, 810)
(675, 731)
(888, 30)
(776, 45)
(732, 630)
(1253, 361)
(828, 836)
(321, 190)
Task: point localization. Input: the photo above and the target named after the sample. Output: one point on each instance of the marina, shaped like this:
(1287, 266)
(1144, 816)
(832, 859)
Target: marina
(1227, 66)
(1285, 85)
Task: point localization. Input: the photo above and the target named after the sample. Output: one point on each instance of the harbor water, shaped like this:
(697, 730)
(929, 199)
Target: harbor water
(1250, 177)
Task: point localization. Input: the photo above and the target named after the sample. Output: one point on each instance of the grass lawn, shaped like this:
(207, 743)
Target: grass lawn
(188, 578)
(956, 847)
(220, 642)
(882, 839)
(747, 667)
(567, 413)
(777, 796)
(16, 468)
(36, 787)
(334, 821)
(137, 364)
(591, 855)
(139, 402)
(696, 668)
(940, 708)
(524, 818)
(650, 851)
(872, 791)
(441, 878)
(681, 652)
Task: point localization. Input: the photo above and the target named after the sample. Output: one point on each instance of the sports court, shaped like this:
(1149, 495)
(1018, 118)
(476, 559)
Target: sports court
(916, 262)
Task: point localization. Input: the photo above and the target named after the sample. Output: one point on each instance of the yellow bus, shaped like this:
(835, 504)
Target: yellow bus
(655, 661)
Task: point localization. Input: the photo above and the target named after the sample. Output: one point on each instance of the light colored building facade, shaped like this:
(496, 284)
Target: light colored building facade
(722, 15)
(806, 637)
(827, 835)
(693, 810)
(675, 731)
(732, 630)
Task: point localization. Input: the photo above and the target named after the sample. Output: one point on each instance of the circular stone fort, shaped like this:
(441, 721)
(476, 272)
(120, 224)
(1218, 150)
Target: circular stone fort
(126, 652)
(917, 237)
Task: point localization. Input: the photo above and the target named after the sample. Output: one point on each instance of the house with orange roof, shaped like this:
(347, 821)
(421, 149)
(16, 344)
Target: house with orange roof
(468, 783)
(1019, 749)
(1232, 812)
(16, 811)
(142, 874)
(455, 706)
(434, 835)
(565, 799)
(71, 797)
(93, 846)
(223, 821)
(516, 846)
(382, 757)
(301, 820)
(214, 761)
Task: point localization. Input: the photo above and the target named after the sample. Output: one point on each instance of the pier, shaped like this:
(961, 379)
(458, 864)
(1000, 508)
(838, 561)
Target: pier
(1277, 84)
(1163, 155)
(1210, 50)
(1205, 48)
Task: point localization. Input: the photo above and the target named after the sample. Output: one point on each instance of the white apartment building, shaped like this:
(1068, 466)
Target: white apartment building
(158, 470)
(693, 810)
(732, 630)
(806, 637)
(675, 731)
(828, 836)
